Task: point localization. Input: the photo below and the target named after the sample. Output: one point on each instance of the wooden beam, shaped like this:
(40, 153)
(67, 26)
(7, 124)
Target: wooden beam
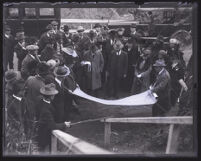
(77, 145)
(153, 120)
(107, 134)
(53, 144)
(172, 143)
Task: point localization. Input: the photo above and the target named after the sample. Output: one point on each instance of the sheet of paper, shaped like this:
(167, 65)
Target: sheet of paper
(141, 99)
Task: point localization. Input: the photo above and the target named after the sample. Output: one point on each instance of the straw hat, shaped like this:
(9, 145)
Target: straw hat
(49, 89)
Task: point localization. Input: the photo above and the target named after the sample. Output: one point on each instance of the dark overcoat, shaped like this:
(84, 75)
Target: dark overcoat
(47, 124)
(162, 88)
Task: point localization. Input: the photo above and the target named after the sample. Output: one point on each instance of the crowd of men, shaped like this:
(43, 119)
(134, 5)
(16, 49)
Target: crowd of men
(101, 60)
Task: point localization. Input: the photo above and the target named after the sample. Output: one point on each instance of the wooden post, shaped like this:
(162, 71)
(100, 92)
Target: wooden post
(53, 144)
(107, 134)
(172, 144)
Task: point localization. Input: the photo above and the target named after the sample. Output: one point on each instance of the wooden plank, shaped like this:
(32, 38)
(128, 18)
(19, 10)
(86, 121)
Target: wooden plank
(153, 120)
(173, 143)
(53, 144)
(107, 134)
(77, 145)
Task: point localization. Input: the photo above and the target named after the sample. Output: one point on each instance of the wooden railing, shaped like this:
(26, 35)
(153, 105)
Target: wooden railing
(76, 145)
(172, 121)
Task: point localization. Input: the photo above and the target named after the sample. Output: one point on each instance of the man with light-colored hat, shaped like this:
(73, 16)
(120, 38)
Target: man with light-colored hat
(30, 58)
(46, 117)
(161, 87)
(117, 68)
(60, 101)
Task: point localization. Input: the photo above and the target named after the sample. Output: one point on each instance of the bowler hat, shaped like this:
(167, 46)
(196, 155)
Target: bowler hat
(43, 68)
(49, 89)
(118, 45)
(61, 71)
(32, 47)
(159, 63)
(97, 25)
(80, 29)
(54, 23)
(10, 75)
(133, 25)
(66, 28)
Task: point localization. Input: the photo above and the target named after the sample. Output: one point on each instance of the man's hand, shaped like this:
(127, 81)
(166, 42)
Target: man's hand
(124, 75)
(139, 75)
(68, 124)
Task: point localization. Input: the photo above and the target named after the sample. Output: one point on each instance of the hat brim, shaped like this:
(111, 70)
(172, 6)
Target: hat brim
(58, 75)
(48, 93)
(158, 65)
(14, 78)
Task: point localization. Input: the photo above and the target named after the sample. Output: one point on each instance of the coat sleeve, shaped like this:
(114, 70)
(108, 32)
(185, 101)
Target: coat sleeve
(163, 82)
(101, 62)
(50, 122)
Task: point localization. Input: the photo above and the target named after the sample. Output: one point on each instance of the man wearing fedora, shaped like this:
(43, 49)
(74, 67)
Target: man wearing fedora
(117, 68)
(20, 48)
(31, 58)
(161, 87)
(61, 101)
(8, 48)
(46, 38)
(46, 118)
(32, 91)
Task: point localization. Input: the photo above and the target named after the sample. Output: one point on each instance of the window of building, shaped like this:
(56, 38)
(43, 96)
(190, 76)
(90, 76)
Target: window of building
(46, 11)
(13, 12)
(30, 12)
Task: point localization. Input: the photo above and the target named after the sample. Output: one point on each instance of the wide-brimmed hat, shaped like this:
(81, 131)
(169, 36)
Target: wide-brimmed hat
(49, 89)
(32, 47)
(10, 75)
(54, 23)
(159, 63)
(69, 51)
(80, 29)
(51, 63)
(43, 68)
(97, 25)
(61, 71)
(118, 45)
(66, 28)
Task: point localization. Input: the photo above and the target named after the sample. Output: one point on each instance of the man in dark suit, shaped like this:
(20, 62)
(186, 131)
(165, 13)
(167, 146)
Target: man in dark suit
(47, 121)
(66, 36)
(161, 87)
(117, 68)
(8, 48)
(31, 60)
(20, 49)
